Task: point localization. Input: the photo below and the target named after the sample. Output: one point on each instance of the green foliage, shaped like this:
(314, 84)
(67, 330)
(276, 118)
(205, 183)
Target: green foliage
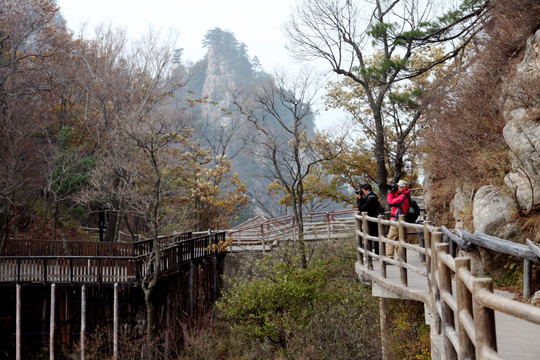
(409, 335)
(71, 171)
(264, 307)
(408, 99)
(380, 30)
(288, 312)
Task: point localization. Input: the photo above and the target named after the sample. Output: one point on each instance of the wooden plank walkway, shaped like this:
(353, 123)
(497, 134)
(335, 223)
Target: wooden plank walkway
(27, 267)
(516, 339)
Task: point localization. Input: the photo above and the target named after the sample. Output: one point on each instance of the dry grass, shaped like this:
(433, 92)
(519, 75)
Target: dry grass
(465, 142)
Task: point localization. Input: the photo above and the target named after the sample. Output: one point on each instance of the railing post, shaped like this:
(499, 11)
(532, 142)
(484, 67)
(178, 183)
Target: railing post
(294, 227)
(464, 305)
(381, 245)
(358, 226)
(402, 253)
(434, 239)
(484, 319)
(327, 216)
(262, 237)
(71, 270)
(447, 315)
(44, 264)
(367, 243)
(527, 278)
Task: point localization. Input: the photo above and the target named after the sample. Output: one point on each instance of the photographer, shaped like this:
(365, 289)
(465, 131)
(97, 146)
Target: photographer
(368, 202)
(398, 199)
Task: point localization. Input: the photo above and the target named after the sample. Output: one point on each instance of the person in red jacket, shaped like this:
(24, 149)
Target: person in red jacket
(398, 199)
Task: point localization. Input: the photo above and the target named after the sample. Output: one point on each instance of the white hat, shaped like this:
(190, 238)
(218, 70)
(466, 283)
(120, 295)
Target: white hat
(402, 183)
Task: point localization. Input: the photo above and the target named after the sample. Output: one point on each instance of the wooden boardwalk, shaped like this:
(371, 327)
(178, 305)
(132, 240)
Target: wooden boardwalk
(468, 319)
(91, 262)
(70, 278)
(516, 339)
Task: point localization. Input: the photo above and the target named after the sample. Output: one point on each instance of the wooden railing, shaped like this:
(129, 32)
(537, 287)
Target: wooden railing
(36, 247)
(317, 226)
(465, 318)
(85, 269)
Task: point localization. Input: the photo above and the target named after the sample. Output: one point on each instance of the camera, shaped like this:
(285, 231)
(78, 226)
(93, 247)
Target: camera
(392, 187)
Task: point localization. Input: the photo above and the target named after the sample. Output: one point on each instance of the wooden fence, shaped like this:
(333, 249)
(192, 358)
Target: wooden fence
(37, 247)
(464, 317)
(317, 226)
(85, 269)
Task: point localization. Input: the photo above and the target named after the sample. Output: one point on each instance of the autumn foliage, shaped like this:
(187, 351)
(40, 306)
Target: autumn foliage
(93, 124)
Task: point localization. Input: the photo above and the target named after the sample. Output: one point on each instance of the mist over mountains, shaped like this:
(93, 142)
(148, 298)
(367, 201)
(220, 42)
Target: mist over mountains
(227, 70)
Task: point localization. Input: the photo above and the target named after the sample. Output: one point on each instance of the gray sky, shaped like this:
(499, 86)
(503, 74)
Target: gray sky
(258, 24)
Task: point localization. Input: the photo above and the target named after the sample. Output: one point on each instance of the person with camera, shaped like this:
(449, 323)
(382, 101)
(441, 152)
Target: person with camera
(368, 202)
(398, 198)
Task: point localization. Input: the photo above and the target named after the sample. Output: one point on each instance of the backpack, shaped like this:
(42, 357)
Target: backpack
(413, 212)
(380, 209)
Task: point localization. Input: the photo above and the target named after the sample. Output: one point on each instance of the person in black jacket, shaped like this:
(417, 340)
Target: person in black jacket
(368, 202)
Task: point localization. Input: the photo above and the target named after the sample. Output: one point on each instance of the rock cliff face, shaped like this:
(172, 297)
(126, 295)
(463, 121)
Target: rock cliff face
(493, 208)
(220, 80)
(520, 106)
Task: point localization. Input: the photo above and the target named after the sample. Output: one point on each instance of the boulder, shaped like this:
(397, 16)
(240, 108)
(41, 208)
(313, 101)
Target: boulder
(492, 212)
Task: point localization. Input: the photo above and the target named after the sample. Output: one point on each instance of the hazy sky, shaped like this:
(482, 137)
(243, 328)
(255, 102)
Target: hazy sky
(258, 24)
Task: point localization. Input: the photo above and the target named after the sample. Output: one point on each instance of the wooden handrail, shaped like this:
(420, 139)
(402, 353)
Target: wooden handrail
(467, 316)
(125, 269)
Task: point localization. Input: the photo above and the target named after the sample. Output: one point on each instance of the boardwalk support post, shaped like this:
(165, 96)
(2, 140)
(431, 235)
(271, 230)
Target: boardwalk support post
(215, 277)
(385, 327)
(115, 322)
(51, 322)
(83, 321)
(18, 324)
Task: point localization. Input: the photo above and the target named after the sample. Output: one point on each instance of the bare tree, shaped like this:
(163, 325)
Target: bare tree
(344, 32)
(29, 40)
(280, 111)
(121, 82)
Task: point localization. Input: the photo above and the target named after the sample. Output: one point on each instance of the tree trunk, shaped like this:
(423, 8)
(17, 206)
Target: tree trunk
(150, 322)
(382, 172)
(5, 217)
(110, 233)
